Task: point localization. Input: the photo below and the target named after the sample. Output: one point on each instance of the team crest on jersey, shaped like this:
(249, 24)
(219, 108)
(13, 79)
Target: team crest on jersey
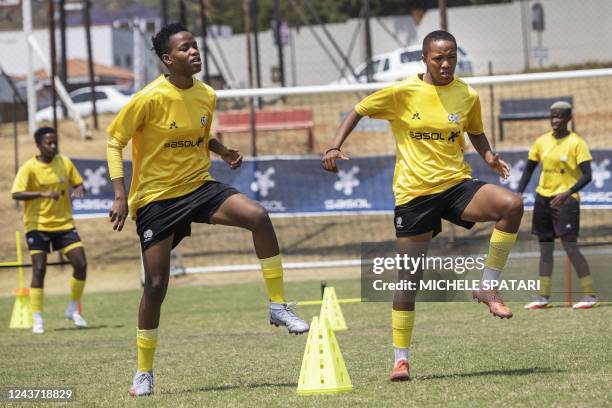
(453, 118)
(203, 120)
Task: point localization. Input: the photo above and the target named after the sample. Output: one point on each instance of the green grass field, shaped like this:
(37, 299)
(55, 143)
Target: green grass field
(217, 349)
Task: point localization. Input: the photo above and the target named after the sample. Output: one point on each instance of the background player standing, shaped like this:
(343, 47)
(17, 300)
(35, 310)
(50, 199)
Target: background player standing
(566, 169)
(44, 184)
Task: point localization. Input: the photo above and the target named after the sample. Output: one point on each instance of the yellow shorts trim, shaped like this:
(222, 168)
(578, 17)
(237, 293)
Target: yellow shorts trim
(70, 247)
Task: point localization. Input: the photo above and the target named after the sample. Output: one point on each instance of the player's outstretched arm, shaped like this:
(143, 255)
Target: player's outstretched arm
(31, 195)
(334, 153)
(231, 156)
(481, 144)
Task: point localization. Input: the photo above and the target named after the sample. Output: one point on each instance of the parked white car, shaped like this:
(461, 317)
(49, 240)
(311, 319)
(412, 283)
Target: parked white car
(108, 100)
(400, 64)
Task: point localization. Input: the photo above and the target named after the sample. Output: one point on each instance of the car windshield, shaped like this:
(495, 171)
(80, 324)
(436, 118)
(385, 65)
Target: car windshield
(410, 56)
(375, 65)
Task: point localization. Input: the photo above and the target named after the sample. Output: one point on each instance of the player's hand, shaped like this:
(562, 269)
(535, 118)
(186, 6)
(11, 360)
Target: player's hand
(329, 159)
(560, 199)
(232, 157)
(118, 213)
(499, 166)
(54, 195)
(79, 191)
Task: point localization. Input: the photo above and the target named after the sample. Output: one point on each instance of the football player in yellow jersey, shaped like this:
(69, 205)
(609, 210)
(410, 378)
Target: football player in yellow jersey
(169, 124)
(43, 183)
(429, 114)
(566, 169)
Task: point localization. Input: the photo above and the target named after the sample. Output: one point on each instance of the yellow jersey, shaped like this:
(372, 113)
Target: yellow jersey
(46, 214)
(170, 129)
(428, 123)
(560, 159)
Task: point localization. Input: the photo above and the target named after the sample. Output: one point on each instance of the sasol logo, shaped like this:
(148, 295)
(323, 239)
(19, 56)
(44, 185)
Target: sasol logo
(434, 136)
(184, 143)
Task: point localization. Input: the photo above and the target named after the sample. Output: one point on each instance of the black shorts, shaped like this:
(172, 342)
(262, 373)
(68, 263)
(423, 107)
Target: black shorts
(157, 220)
(425, 213)
(550, 223)
(46, 241)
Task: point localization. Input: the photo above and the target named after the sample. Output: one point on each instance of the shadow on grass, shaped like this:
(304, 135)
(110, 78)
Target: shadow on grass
(232, 387)
(515, 372)
(102, 326)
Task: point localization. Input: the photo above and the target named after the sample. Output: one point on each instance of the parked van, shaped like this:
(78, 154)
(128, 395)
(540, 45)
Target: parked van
(401, 63)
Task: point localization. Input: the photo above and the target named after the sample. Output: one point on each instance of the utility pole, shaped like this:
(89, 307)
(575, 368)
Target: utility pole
(279, 41)
(246, 7)
(51, 18)
(63, 55)
(164, 12)
(26, 12)
(254, 6)
(182, 12)
(368, 41)
(443, 20)
(87, 21)
(204, 40)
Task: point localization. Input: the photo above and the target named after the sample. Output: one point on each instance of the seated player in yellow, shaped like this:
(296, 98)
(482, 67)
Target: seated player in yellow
(566, 169)
(429, 114)
(43, 183)
(169, 124)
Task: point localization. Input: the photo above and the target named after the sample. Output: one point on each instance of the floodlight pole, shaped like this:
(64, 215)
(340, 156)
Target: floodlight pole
(51, 19)
(246, 6)
(26, 11)
(182, 12)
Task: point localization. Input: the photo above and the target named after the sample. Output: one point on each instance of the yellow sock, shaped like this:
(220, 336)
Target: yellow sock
(76, 289)
(36, 299)
(586, 283)
(402, 323)
(147, 342)
(499, 248)
(272, 270)
(545, 284)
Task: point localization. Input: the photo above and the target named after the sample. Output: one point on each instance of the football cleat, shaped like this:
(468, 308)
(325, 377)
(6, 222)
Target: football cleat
(587, 302)
(492, 299)
(401, 371)
(282, 314)
(37, 325)
(539, 302)
(142, 384)
(74, 313)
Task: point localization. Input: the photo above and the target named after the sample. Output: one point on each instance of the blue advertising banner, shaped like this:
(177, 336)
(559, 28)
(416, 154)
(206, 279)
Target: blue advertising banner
(296, 185)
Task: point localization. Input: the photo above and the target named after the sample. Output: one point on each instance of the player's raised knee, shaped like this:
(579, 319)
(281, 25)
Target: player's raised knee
(258, 216)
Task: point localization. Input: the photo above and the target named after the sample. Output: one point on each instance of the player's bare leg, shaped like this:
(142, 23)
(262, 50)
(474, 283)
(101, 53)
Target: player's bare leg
(402, 314)
(494, 203)
(240, 211)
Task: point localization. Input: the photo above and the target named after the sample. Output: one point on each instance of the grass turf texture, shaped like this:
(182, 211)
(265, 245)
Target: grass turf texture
(217, 349)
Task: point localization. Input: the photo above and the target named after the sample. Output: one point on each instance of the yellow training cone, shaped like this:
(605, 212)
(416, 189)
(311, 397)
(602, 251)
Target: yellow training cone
(330, 309)
(323, 369)
(22, 315)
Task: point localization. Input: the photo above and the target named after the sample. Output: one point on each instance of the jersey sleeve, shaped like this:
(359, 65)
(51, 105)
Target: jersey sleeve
(379, 105)
(582, 152)
(534, 151)
(129, 119)
(74, 177)
(21, 180)
(474, 123)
